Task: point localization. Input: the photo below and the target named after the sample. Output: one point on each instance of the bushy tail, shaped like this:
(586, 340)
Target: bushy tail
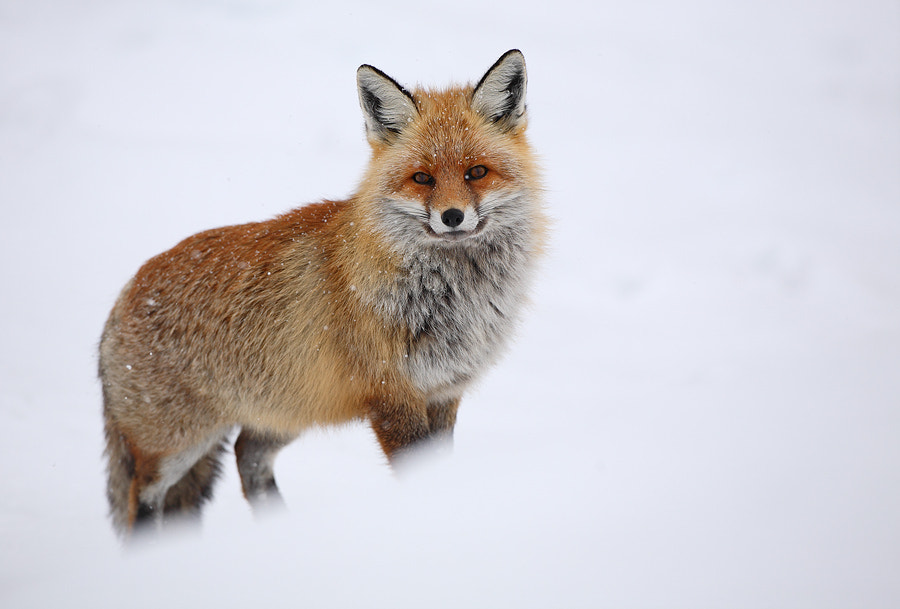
(120, 473)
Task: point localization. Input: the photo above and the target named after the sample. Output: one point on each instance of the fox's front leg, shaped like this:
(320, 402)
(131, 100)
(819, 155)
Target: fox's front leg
(441, 421)
(399, 426)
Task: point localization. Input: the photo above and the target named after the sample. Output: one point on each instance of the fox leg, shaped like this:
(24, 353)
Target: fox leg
(187, 496)
(398, 427)
(155, 475)
(442, 419)
(255, 452)
(144, 495)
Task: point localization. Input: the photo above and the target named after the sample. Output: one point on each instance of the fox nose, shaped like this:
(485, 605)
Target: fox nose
(452, 217)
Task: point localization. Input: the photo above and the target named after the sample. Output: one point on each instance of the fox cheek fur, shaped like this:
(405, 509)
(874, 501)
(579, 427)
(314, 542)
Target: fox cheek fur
(384, 307)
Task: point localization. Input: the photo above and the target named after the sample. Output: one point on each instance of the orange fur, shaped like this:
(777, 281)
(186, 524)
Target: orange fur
(280, 325)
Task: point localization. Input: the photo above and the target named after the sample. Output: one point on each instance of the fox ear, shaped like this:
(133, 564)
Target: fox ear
(387, 106)
(500, 94)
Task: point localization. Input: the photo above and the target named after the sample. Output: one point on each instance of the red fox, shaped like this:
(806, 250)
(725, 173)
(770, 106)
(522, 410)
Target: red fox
(385, 307)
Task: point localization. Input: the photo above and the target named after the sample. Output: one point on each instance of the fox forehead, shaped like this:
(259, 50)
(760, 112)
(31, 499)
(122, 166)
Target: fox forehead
(447, 132)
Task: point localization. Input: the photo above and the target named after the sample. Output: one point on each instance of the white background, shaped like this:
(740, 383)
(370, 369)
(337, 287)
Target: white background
(702, 408)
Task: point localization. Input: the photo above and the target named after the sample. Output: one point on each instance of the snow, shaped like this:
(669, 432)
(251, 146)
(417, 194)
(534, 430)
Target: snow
(702, 408)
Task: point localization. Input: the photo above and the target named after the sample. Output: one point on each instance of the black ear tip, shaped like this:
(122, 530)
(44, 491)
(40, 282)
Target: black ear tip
(512, 53)
(364, 74)
(367, 70)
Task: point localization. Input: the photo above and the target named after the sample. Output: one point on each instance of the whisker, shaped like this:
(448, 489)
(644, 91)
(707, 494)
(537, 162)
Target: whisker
(409, 208)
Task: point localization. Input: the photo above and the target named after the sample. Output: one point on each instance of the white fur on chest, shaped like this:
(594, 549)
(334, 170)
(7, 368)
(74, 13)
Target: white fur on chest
(460, 305)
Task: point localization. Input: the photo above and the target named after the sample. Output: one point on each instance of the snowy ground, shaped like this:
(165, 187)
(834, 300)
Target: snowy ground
(702, 408)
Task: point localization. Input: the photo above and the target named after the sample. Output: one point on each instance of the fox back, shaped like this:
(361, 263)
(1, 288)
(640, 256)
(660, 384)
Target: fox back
(385, 307)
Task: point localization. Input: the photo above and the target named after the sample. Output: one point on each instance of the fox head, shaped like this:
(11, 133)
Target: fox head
(449, 166)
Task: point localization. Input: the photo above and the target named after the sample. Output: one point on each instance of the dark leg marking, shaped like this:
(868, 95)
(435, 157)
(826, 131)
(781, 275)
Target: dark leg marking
(255, 453)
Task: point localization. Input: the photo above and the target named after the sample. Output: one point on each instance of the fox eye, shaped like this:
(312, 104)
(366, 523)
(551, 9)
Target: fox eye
(420, 177)
(476, 173)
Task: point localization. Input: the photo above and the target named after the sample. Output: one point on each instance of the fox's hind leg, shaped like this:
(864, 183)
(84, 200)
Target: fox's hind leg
(186, 498)
(255, 452)
(189, 473)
